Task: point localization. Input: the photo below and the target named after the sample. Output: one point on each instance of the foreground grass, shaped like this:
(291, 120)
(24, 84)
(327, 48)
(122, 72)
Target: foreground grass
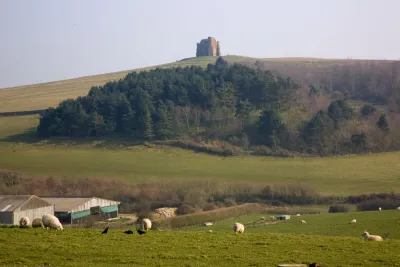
(383, 223)
(82, 247)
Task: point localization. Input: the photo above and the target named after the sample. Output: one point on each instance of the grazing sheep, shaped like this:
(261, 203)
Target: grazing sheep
(51, 222)
(208, 224)
(24, 221)
(210, 231)
(369, 237)
(298, 214)
(146, 224)
(379, 208)
(398, 208)
(303, 222)
(353, 221)
(272, 218)
(238, 228)
(37, 223)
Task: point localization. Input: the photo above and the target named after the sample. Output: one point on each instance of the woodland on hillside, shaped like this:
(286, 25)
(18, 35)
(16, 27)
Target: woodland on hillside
(228, 109)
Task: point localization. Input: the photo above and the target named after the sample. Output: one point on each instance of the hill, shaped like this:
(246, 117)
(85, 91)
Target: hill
(303, 70)
(77, 247)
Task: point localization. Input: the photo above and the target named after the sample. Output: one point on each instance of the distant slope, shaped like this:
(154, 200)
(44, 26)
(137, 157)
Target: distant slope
(44, 95)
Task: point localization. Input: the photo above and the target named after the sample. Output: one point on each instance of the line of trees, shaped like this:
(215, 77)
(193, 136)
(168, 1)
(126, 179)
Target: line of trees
(236, 104)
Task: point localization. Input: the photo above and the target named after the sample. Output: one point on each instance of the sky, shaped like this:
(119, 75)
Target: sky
(49, 40)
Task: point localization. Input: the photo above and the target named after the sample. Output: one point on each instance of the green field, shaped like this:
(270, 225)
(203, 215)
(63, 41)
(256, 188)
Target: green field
(109, 159)
(383, 223)
(83, 247)
(337, 175)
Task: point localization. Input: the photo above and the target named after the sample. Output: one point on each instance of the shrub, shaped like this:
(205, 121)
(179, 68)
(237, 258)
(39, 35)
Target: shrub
(338, 208)
(210, 206)
(184, 209)
(374, 204)
(367, 109)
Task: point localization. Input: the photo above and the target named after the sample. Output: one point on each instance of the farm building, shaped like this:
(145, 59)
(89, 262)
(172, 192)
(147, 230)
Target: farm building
(76, 209)
(15, 207)
(283, 217)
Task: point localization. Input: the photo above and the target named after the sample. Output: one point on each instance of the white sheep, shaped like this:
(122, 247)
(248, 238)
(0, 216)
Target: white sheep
(272, 218)
(353, 221)
(24, 221)
(238, 228)
(298, 214)
(145, 224)
(369, 237)
(37, 223)
(398, 208)
(51, 222)
(303, 222)
(379, 208)
(208, 224)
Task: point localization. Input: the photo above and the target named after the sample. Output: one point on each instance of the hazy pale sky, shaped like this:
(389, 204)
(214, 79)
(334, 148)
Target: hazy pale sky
(47, 40)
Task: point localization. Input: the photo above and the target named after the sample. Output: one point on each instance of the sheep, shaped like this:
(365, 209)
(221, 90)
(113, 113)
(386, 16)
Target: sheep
(398, 208)
(379, 208)
(272, 218)
(51, 222)
(144, 224)
(210, 231)
(303, 222)
(238, 228)
(298, 214)
(37, 223)
(262, 218)
(369, 237)
(24, 221)
(353, 221)
(208, 224)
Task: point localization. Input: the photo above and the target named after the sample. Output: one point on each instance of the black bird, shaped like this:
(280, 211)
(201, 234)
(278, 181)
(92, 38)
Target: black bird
(105, 231)
(140, 232)
(129, 232)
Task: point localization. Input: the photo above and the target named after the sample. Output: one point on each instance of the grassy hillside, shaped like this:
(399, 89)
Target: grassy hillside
(384, 223)
(42, 96)
(179, 248)
(338, 175)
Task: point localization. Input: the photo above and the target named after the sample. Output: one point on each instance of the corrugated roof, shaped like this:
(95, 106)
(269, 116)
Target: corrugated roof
(62, 204)
(11, 202)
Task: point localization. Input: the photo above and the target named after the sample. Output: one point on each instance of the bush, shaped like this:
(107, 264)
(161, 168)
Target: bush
(210, 206)
(338, 208)
(374, 204)
(367, 109)
(184, 209)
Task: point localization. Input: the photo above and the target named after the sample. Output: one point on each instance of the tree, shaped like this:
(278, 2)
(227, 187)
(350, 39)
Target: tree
(339, 110)
(359, 142)
(317, 133)
(383, 124)
(271, 127)
(367, 109)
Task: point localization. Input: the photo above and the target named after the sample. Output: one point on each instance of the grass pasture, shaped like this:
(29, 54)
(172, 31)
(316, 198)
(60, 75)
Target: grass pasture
(384, 223)
(335, 175)
(87, 247)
